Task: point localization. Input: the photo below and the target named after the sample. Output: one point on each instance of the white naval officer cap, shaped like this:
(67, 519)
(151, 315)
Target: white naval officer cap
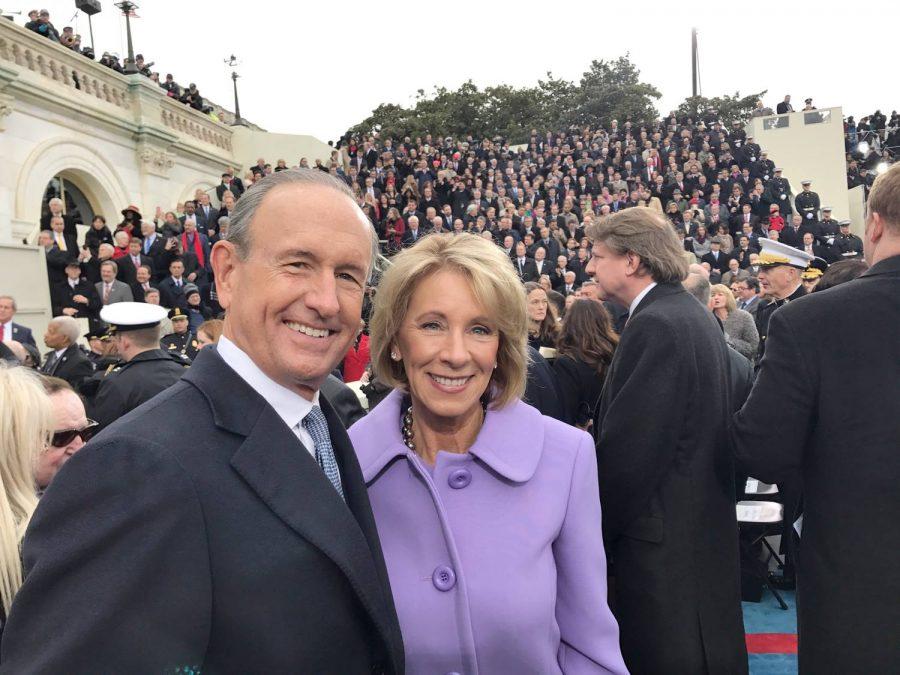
(126, 316)
(773, 253)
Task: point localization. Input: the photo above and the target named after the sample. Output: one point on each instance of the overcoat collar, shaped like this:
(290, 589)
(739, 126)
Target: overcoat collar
(288, 480)
(887, 266)
(661, 290)
(510, 442)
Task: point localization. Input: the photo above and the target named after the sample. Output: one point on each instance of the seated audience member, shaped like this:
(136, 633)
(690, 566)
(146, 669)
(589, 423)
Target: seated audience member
(65, 359)
(71, 430)
(584, 351)
(542, 327)
(9, 329)
(740, 329)
(26, 426)
(448, 332)
(209, 332)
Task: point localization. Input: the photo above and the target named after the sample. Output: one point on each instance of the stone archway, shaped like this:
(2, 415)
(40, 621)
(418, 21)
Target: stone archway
(205, 185)
(76, 161)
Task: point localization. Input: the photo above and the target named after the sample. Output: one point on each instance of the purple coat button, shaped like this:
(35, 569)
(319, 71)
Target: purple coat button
(459, 478)
(444, 578)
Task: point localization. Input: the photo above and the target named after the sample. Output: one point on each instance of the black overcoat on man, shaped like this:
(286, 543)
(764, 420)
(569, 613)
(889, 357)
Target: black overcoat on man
(72, 365)
(667, 490)
(826, 407)
(199, 535)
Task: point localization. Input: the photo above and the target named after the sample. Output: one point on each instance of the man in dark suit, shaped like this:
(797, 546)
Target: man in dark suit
(524, 265)
(171, 289)
(142, 284)
(129, 264)
(549, 243)
(56, 259)
(206, 216)
(784, 106)
(10, 330)
(716, 258)
(230, 183)
(827, 411)
(176, 514)
(65, 360)
(413, 232)
(666, 482)
(76, 296)
(748, 295)
(158, 248)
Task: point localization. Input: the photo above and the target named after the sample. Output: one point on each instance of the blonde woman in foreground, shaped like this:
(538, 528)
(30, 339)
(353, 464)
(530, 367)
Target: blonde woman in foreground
(26, 422)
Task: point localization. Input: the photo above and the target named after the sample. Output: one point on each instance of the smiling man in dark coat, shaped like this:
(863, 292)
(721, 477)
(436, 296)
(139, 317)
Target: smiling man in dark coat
(224, 526)
(666, 473)
(826, 408)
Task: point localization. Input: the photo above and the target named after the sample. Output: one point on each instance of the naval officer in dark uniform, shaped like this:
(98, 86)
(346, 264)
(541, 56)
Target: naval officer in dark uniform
(847, 246)
(143, 371)
(807, 203)
(181, 341)
(780, 267)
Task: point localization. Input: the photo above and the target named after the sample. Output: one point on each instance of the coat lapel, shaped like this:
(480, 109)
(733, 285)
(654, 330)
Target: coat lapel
(288, 480)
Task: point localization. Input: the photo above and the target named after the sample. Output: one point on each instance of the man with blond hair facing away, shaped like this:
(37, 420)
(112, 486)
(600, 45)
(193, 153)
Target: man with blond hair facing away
(836, 426)
(665, 467)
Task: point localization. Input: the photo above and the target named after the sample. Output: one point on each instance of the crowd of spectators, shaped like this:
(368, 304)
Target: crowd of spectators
(39, 22)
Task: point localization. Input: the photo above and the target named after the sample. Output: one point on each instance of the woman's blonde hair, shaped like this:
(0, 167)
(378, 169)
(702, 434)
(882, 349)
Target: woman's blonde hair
(26, 424)
(493, 282)
(722, 289)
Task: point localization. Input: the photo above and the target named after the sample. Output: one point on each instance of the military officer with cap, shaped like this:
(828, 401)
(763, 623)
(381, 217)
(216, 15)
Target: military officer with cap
(143, 369)
(807, 203)
(752, 148)
(828, 227)
(847, 246)
(780, 267)
(181, 340)
(779, 191)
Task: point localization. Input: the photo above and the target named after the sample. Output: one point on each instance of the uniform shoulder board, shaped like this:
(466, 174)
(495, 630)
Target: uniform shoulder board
(110, 369)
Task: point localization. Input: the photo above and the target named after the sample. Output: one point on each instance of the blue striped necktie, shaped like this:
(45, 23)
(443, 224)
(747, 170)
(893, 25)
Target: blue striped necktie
(317, 427)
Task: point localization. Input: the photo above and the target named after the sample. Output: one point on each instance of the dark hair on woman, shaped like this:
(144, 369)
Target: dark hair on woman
(549, 329)
(587, 335)
(840, 273)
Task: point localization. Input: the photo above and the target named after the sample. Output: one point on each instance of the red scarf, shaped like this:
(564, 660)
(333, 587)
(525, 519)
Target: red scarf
(198, 249)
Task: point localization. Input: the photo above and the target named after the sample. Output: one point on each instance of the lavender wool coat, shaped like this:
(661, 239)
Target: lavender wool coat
(495, 557)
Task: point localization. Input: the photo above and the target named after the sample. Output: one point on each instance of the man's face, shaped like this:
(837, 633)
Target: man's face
(807, 239)
(608, 269)
(744, 291)
(54, 339)
(520, 249)
(204, 199)
(189, 208)
(6, 310)
(777, 281)
(151, 298)
(733, 265)
(73, 272)
(176, 269)
(57, 225)
(180, 326)
(561, 261)
(306, 289)
(68, 414)
(142, 275)
(540, 253)
(134, 247)
(107, 274)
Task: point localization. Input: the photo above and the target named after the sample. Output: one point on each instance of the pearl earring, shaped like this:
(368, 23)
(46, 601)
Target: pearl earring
(395, 356)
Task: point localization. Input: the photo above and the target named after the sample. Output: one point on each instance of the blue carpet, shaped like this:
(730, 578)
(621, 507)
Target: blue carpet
(766, 618)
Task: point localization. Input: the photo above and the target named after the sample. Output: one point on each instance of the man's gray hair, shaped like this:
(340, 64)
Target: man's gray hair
(246, 207)
(12, 300)
(698, 286)
(67, 326)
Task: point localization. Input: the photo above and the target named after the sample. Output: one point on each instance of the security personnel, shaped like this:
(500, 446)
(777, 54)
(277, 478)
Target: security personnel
(752, 148)
(103, 355)
(780, 267)
(847, 246)
(143, 370)
(764, 168)
(779, 190)
(181, 341)
(807, 203)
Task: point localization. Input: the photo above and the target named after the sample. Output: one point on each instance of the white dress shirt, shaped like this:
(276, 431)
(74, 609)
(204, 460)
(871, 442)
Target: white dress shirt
(290, 406)
(639, 297)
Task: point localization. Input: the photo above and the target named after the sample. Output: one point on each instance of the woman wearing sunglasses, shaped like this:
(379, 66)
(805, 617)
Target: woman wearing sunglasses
(26, 423)
(71, 430)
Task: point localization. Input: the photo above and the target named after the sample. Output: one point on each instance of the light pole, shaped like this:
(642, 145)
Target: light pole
(233, 63)
(127, 8)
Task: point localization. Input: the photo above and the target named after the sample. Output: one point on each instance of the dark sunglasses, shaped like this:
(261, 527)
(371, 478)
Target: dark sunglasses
(62, 438)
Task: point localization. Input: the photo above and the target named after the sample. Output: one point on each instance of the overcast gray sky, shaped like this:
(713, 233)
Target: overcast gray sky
(316, 67)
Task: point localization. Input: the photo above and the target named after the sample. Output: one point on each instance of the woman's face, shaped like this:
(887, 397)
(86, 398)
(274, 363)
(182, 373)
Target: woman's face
(448, 344)
(203, 339)
(98, 224)
(717, 301)
(537, 305)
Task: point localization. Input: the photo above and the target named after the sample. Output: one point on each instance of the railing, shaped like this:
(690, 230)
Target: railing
(48, 64)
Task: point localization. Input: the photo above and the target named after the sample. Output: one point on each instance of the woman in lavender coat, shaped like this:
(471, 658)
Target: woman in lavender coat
(488, 512)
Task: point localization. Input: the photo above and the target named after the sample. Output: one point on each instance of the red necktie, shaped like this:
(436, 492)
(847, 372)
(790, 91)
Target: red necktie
(2, 331)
